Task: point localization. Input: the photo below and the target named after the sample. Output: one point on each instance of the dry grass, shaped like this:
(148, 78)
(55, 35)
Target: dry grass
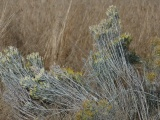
(5, 112)
(59, 31)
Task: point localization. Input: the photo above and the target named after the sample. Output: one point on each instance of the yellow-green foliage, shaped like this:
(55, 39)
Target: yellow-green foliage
(153, 62)
(8, 53)
(68, 73)
(126, 40)
(97, 56)
(34, 59)
(103, 55)
(106, 24)
(33, 91)
(73, 74)
(90, 109)
(32, 70)
(151, 76)
(34, 84)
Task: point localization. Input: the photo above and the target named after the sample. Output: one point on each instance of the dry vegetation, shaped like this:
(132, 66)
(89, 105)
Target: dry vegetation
(59, 29)
(5, 110)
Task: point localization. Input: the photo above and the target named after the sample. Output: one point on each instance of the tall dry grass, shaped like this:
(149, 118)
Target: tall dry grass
(58, 29)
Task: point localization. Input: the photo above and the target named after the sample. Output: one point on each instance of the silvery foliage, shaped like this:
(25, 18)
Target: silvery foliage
(26, 79)
(115, 78)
